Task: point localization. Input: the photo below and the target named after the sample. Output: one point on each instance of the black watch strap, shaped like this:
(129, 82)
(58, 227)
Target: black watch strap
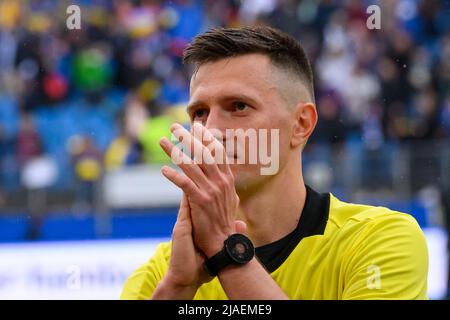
(238, 250)
(217, 262)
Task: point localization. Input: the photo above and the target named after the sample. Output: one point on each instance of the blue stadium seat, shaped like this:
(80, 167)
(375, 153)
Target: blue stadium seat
(13, 228)
(67, 227)
(151, 223)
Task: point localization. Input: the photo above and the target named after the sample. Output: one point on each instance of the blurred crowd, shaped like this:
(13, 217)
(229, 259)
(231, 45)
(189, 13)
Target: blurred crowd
(76, 102)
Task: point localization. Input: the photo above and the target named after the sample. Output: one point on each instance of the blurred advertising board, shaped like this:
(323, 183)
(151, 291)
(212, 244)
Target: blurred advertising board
(98, 269)
(70, 269)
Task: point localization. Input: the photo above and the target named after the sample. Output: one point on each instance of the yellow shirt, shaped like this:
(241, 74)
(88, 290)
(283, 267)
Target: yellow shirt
(338, 251)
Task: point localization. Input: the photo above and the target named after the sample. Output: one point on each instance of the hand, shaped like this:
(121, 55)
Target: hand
(186, 261)
(208, 184)
(186, 273)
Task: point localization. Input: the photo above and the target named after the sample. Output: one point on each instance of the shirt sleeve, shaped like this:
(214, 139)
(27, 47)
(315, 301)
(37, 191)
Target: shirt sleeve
(142, 283)
(388, 260)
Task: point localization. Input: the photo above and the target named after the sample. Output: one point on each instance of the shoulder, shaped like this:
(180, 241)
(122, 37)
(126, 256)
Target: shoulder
(161, 255)
(380, 243)
(376, 231)
(344, 215)
(142, 282)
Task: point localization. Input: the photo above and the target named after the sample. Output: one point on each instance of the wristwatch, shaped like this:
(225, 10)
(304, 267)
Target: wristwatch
(237, 250)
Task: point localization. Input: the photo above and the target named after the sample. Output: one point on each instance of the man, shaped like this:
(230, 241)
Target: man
(308, 245)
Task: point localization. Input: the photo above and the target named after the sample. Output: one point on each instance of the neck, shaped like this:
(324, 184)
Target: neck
(273, 210)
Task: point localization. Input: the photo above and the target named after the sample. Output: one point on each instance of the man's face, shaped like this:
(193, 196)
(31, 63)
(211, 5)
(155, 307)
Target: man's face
(241, 93)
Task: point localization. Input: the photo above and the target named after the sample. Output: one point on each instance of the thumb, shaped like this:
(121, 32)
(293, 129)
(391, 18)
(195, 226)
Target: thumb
(240, 226)
(185, 211)
(183, 225)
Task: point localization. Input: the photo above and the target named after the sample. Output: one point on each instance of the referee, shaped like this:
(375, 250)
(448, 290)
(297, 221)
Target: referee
(243, 235)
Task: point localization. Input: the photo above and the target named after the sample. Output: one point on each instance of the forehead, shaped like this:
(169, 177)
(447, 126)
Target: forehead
(249, 74)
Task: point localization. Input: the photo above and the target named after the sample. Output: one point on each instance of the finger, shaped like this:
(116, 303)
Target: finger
(181, 181)
(183, 225)
(185, 163)
(214, 146)
(240, 226)
(185, 211)
(201, 154)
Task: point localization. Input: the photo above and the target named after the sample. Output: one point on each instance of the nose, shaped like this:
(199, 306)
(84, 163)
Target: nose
(217, 122)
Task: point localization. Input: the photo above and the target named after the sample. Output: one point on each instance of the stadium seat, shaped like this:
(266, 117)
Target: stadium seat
(135, 224)
(66, 227)
(13, 228)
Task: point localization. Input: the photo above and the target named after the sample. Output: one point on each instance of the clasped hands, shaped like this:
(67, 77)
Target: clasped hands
(208, 210)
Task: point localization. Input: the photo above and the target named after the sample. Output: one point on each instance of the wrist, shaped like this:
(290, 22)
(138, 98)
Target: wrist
(215, 246)
(216, 243)
(230, 269)
(174, 282)
(237, 250)
(213, 250)
(170, 288)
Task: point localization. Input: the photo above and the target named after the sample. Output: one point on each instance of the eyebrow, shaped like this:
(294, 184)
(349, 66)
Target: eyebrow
(226, 98)
(194, 105)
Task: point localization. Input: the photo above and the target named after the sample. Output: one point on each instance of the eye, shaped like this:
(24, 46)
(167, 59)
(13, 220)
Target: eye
(240, 106)
(199, 113)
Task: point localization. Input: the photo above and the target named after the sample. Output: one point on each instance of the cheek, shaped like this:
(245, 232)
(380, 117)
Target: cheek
(283, 147)
(285, 140)
(281, 127)
(272, 136)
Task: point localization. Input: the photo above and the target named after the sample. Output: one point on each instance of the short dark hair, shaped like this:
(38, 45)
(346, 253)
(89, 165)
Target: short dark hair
(283, 50)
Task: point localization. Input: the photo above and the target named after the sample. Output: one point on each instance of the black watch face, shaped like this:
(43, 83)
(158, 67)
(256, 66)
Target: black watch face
(239, 248)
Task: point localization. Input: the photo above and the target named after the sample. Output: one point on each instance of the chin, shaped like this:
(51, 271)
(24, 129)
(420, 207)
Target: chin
(246, 178)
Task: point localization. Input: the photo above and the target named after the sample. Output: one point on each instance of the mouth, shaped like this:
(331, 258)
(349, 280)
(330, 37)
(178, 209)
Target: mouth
(232, 156)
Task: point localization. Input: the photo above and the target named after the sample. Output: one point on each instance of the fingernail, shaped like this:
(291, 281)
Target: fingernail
(174, 126)
(198, 124)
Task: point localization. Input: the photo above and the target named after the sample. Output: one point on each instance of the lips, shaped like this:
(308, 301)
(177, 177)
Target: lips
(232, 157)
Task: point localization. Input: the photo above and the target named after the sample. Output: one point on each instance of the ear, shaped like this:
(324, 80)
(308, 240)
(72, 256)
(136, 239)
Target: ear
(305, 120)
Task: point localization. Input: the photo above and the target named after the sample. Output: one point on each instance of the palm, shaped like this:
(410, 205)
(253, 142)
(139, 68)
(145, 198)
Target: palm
(186, 265)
